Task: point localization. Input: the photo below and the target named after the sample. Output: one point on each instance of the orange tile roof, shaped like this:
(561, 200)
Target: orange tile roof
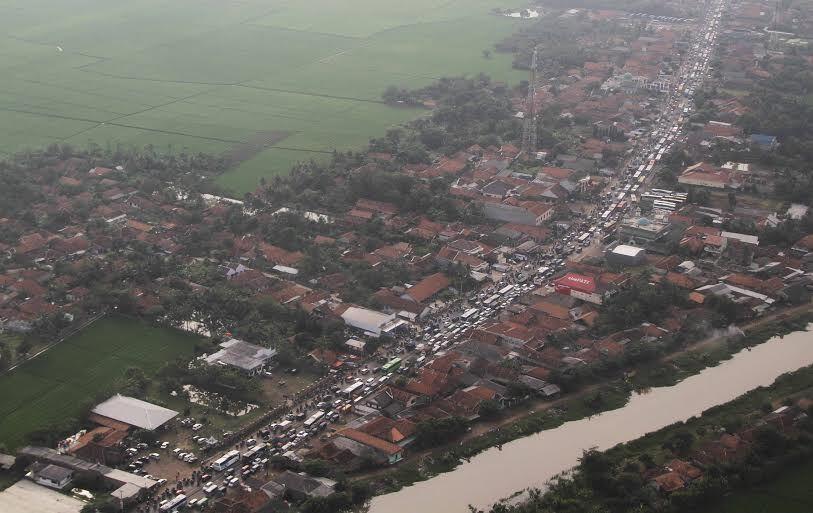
(428, 287)
(371, 441)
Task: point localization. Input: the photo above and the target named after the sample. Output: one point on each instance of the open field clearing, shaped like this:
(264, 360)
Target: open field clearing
(211, 75)
(59, 383)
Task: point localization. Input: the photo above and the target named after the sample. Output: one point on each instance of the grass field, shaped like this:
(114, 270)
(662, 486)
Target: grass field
(58, 383)
(207, 75)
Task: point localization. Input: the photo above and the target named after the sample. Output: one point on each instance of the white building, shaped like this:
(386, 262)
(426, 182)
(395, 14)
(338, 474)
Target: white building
(355, 345)
(366, 320)
(53, 476)
(134, 412)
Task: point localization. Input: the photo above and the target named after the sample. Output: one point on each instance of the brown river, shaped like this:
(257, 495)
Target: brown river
(532, 461)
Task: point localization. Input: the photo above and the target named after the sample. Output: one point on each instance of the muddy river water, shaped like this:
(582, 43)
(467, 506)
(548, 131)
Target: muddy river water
(532, 461)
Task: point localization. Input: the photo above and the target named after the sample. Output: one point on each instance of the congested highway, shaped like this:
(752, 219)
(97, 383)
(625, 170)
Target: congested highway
(651, 146)
(442, 330)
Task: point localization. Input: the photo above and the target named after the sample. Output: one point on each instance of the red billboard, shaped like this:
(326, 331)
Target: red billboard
(573, 281)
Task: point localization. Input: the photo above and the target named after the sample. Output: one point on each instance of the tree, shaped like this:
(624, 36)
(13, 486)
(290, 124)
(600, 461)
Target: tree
(318, 468)
(680, 443)
(101, 504)
(434, 432)
(596, 468)
(489, 409)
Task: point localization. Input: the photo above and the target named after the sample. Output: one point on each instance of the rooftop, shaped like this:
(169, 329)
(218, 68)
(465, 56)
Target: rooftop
(135, 412)
(241, 354)
(28, 497)
(626, 250)
(428, 287)
(55, 473)
(365, 319)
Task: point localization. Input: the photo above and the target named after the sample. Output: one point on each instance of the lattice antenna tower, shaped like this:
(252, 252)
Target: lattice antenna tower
(529, 126)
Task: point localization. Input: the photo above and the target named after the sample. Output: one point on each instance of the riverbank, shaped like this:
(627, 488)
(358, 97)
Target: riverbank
(532, 461)
(538, 416)
(765, 465)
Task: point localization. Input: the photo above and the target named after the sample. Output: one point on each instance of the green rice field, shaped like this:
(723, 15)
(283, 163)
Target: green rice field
(293, 78)
(57, 384)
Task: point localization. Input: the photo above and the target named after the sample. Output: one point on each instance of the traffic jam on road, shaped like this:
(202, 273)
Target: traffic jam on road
(439, 332)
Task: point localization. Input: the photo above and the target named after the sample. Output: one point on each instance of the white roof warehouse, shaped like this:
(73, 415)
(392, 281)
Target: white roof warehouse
(366, 320)
(135, 412)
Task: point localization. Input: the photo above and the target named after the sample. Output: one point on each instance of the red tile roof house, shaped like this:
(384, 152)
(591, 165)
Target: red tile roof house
(427, 288)
(680, 473)
(368, 447)
(400, 432)
(379, 207)
(447, 255)
(706, 175)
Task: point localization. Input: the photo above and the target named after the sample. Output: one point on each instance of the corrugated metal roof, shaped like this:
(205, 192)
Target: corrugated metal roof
(135, 412)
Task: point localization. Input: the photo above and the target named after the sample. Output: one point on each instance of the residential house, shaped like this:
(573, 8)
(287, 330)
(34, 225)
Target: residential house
(368, 447)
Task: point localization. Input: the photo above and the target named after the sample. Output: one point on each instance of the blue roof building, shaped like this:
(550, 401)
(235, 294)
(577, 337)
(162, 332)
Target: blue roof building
(766, 142)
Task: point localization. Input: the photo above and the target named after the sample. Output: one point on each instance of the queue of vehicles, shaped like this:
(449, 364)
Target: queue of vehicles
(439, 334)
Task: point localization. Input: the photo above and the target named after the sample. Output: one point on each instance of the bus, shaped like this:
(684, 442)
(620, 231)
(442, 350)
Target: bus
(649, 166)
(468, 314)
(642, 179)
(391, 365)
(491, 300)
(313, 419)
(583, 237)
(226, 461)
(605, 214)
(664, 205)
(636, 175)
(352, 389)
(505, 290)
(177, 503)
(641, 168)
(621, 196)
(255, 451)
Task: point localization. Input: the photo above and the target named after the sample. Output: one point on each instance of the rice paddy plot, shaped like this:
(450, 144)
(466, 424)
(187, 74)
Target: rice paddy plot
(57, 384)
(214, 76)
